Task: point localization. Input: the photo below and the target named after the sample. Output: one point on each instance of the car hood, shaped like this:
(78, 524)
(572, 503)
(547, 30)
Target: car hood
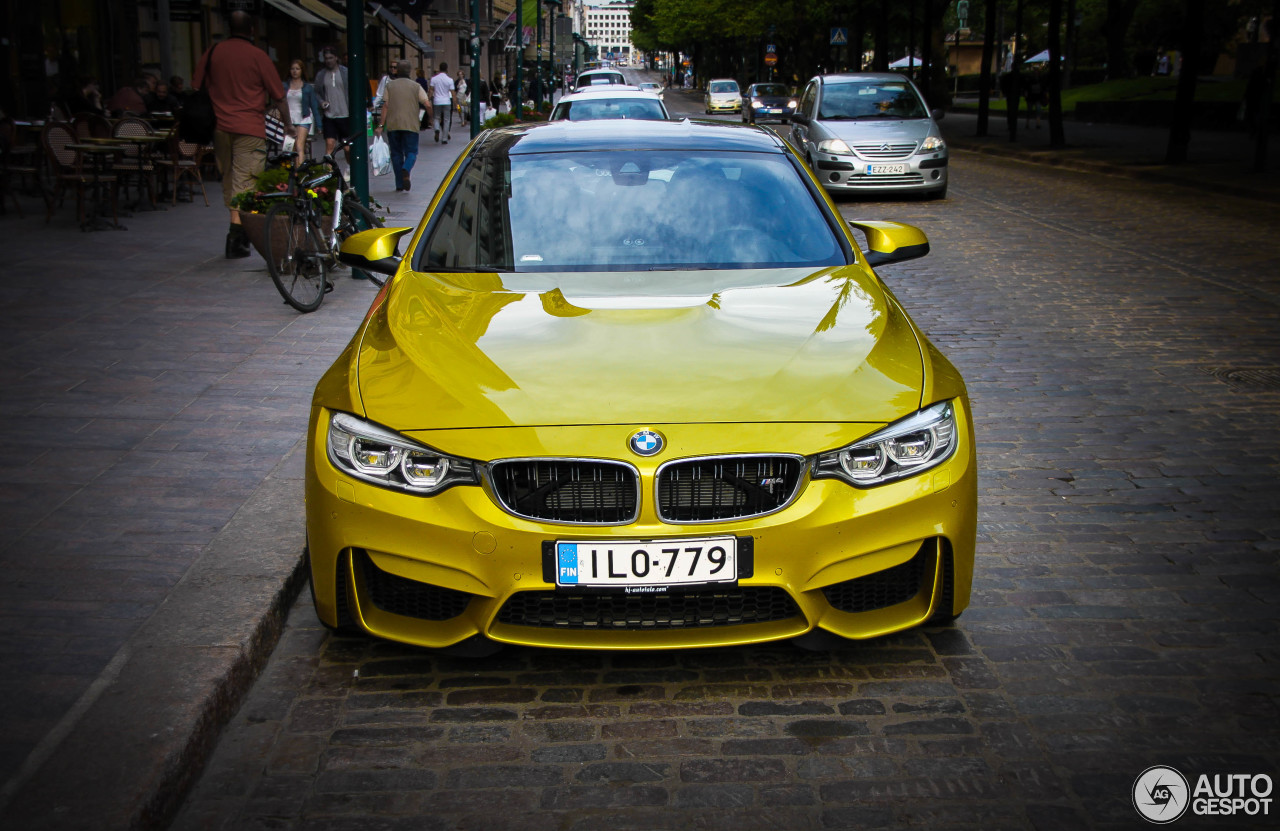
(774, 100)
(915, 129)
(496, 350)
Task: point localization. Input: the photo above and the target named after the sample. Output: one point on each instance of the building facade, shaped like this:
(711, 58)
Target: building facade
(607, 26)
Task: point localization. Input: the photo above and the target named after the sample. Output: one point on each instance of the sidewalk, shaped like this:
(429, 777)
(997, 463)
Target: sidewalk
(155, 400)
(1219, 162)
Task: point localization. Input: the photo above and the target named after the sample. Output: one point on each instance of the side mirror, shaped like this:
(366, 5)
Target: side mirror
(891, 242)
(938, 114)
(373, 250)
(799, 117)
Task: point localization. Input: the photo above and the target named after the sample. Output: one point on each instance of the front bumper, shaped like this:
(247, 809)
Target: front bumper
(440, 570)
(925, 172)
(724, 106)
(767, 113)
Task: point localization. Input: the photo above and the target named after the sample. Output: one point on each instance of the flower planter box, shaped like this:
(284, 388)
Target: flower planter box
(255, 228)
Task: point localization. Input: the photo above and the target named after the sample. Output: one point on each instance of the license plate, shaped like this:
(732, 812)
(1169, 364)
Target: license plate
(886, 169)
(654, 563)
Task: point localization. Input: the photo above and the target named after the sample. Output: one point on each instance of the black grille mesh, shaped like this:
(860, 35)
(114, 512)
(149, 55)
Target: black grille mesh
(409, 598)
(688, 610)
(589, 492)
(701, 490)
(882, 589)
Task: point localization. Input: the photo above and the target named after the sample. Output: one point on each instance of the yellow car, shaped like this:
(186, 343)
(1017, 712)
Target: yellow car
(634, 385)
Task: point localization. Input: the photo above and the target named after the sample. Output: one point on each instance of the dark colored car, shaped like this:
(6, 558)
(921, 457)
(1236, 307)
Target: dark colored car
(767, 102)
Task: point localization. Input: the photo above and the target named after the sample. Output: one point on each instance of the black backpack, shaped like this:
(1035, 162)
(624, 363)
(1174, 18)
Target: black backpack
(198, 119)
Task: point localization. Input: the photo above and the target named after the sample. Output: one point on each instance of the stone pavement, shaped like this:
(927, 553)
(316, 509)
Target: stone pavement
(155, 396)
(154, 402)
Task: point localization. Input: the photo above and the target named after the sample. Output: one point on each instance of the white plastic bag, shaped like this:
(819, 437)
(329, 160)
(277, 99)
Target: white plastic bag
(380, 156)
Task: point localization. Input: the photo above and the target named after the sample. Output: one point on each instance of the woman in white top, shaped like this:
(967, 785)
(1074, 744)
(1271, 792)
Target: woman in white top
(303, 106)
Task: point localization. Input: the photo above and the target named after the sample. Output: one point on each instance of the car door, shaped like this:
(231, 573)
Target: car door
(800, 128)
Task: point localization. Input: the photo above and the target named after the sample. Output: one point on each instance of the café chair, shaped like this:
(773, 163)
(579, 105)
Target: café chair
(68, 170)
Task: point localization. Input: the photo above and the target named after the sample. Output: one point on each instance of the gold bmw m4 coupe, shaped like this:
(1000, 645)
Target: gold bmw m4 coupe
(635, 385)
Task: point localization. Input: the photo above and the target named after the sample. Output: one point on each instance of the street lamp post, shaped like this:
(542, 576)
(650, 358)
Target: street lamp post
(516, 95)
(537, 64)
(554, 16)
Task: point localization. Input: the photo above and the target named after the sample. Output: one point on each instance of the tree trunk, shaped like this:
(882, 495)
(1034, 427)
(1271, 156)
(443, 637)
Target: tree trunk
(926, 55)
(984, 79)
(1057, 137)
(881, 61)
(1184, 105)
(1262, 110)
(1119, 16)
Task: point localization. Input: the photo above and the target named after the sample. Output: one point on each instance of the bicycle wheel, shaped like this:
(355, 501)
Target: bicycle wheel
(355, 218)
(298, 256)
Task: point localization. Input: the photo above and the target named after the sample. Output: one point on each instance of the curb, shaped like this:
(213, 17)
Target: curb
(181, 678)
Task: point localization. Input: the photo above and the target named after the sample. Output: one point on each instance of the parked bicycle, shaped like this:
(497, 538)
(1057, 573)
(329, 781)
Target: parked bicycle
(306, 227)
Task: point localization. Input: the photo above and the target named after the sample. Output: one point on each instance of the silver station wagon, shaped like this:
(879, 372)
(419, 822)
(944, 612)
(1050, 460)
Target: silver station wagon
(870, 131)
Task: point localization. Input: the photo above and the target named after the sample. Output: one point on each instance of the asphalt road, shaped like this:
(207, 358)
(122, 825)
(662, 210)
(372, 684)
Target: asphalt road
(1121, 342)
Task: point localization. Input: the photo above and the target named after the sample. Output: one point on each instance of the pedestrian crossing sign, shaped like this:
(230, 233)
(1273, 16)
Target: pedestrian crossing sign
(840, 37)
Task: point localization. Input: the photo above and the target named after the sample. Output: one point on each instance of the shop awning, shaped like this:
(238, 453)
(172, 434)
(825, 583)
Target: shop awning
(334, 17)
(296, 12)
(410, 37)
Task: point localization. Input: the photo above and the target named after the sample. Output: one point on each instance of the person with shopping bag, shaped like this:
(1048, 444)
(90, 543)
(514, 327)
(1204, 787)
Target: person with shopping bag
(399, 120)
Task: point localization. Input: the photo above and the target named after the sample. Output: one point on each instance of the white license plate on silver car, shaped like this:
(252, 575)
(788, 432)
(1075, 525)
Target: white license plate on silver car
(886, 169)
(654, 563)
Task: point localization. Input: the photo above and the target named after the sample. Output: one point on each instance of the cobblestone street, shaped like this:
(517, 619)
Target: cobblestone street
(1121, 342)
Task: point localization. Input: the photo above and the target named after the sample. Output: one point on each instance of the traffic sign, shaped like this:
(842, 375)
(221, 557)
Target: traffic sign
(770, 59)
(771, 48)
(840, 36)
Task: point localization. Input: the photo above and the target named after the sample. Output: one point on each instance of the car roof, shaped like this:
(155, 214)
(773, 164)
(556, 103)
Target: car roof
(720, 80)
(843, 77)
(607, 91)
(561, 136)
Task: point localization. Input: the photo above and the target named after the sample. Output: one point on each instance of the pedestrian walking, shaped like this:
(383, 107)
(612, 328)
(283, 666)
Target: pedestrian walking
(400, 121)
(304, 107)
(240, 79)
(1037, 97)
(442, 90)
(331, 90)
(460, 98)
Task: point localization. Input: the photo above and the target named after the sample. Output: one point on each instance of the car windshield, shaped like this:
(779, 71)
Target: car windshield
(629, 210)
(601, 78)
(777, 90)
(603, 108)
(723, 86)
(870, 100)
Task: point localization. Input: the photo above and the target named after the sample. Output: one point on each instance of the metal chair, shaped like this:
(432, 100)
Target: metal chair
(16, 161)
(68, 169)
(136, 162)
(184, 163)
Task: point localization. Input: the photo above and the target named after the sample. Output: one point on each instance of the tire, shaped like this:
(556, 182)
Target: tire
(301, 273)
(355, 218)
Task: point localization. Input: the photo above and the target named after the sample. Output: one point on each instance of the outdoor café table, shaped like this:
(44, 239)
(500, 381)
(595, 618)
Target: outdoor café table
(98, 153)
(146, 145)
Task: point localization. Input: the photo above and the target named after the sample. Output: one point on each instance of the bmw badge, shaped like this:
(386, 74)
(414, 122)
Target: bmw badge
(646, 443)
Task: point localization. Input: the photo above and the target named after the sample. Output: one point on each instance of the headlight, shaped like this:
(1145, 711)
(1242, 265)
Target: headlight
(904, 448)
(383, 457)
(931, 144)
(834, 146)
(755, 102)
(791, 104)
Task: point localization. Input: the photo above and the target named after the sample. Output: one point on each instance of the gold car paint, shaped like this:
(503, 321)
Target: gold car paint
(478, 355)
(462, 539)
(843, 532)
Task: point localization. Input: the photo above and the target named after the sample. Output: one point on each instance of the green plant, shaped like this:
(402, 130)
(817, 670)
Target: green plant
(499, 120)
(275, 180)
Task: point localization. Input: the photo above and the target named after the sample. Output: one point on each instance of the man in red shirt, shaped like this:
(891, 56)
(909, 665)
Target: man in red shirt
(240, 84)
